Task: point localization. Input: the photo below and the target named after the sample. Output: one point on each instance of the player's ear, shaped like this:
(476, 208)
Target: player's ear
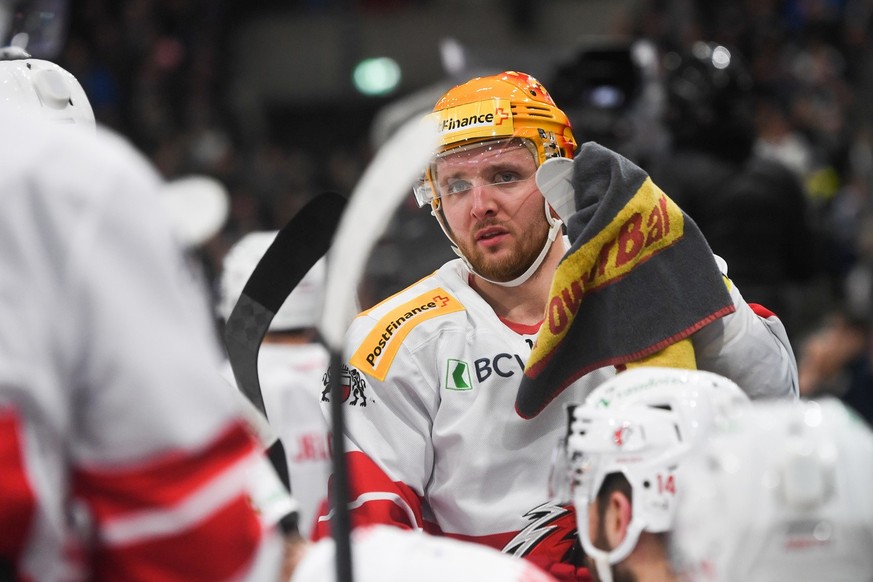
(617, 518)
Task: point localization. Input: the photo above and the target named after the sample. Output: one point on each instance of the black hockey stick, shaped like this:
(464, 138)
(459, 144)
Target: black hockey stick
(295, 250)
(297, 247)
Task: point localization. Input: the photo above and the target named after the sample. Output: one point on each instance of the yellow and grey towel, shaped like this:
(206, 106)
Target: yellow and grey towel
(638, 277)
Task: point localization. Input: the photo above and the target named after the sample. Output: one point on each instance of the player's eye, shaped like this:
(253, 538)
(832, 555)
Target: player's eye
(456, 186)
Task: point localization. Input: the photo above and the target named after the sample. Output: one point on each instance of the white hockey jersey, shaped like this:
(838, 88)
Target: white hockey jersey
(434, 441)
(120, 458)
(290, 376)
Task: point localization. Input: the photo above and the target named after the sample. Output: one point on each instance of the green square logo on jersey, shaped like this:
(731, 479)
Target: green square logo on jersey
(458, 375)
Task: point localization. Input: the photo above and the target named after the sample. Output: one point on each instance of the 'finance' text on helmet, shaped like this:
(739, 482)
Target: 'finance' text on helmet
(508, 105)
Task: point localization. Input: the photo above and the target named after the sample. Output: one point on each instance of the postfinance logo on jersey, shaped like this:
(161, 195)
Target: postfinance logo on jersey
(378, 349)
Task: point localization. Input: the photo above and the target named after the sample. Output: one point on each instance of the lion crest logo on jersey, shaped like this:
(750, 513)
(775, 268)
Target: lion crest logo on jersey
(352, 385)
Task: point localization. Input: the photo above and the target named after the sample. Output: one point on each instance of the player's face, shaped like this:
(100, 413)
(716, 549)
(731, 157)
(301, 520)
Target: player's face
(493, 208)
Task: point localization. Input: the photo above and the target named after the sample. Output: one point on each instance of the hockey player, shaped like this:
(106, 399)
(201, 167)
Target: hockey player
(782, 495)
(433, 372)
(119, 457)
(290, 366)
(623, 448)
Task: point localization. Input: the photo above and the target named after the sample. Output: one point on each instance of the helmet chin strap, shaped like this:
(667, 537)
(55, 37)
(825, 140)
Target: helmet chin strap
(554, 230)
(603, 559)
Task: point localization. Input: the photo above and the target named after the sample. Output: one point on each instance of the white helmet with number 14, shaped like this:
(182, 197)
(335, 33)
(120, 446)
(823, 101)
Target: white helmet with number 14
(640, 425)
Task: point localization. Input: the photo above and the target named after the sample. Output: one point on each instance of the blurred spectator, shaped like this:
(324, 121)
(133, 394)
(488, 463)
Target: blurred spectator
(837, 360)
(158, 72)
(780, 140)
(812, 59)
(753, 211)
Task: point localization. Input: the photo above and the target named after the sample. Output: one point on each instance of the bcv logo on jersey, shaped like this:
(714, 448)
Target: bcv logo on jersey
(459, 373)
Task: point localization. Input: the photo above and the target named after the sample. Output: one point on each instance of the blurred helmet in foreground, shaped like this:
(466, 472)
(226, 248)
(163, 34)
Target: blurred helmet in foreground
(382, 553)
(198, 207)
(784, 495)
(42, 89)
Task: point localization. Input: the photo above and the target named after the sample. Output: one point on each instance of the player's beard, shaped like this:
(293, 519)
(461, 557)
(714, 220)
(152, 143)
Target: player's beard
(530, 244)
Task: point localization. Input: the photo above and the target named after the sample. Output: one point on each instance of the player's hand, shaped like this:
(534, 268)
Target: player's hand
(296, 547)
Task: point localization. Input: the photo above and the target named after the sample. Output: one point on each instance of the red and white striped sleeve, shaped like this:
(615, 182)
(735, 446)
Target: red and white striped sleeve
(122, 454)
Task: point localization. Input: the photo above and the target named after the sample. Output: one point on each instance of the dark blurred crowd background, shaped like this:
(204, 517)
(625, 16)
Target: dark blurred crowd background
(161, 72)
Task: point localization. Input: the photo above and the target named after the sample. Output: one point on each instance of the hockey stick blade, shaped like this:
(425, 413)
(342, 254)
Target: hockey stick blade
(372, 204)
(297, 247)
(385, 182)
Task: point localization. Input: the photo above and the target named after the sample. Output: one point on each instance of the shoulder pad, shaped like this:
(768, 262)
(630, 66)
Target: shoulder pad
(376, 352)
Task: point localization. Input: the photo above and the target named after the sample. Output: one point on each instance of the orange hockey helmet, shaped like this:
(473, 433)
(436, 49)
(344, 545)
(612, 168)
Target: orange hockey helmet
(510, 105)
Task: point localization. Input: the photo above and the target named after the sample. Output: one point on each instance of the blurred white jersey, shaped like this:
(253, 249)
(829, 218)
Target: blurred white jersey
(291, 380)
(388, 554)
(119, 457)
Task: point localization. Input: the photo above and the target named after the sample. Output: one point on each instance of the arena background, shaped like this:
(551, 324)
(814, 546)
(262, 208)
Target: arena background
(260, 95)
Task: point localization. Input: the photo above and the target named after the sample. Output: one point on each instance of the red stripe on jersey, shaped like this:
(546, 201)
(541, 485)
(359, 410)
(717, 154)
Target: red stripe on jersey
(365, 477)
(215, 549)
(160, 482)
(17, 501)
(522, 328)
(761, 311)
(497, 541)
